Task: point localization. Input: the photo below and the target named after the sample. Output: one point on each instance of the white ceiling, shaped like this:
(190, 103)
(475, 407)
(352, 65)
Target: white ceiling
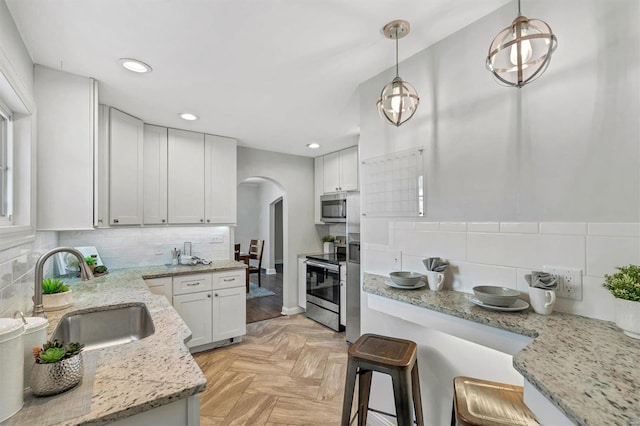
(275, 74)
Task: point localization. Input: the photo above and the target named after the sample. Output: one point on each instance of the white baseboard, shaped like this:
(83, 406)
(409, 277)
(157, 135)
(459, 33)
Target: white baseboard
(292, 311)
(270, 271)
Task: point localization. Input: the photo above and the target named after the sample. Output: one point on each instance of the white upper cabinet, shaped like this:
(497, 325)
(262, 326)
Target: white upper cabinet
(125, 168)
(186, 177)
(155, 175)
(349, 169)
(340, 171)
(67, 105)
(220, 179)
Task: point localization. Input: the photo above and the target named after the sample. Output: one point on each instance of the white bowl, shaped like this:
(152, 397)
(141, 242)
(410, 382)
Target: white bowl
(405, 278)
(496, 296)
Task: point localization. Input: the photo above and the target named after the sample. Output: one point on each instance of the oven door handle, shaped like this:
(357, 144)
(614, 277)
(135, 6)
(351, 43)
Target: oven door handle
(328, 266)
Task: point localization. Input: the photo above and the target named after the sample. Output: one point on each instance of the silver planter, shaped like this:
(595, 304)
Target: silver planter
(51, 379)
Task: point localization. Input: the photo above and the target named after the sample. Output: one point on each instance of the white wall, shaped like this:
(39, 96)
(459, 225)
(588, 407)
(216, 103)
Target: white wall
(515, 178)
(132, 247)
(294, 175)
(248, 214)
(269, 193)
(17, 262)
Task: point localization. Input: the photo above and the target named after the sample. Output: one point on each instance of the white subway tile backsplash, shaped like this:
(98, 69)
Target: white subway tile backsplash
(563, 228)
(431, 244)
(405, 225)
(597, 301)
(519, 227)
(483, 227)
(132, 247)
(463, 276)
(496, 253)
(615, 229)
(453, 226)
(605, 253)
(427, 226)
(526, 251)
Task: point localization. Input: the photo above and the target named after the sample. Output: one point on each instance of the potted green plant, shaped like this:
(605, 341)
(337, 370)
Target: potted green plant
(91, 262)
(625, 287)
(57, 368)
(56, 294)
(328, 243)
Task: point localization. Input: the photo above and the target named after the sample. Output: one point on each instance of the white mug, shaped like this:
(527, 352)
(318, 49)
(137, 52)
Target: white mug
(186, 260)
(542, 300)
(435, 280)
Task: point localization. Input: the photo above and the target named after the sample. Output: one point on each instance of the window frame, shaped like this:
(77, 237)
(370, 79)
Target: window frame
(6, 166)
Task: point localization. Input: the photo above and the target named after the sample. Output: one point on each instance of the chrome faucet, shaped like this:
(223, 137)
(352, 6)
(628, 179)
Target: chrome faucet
(85, 274)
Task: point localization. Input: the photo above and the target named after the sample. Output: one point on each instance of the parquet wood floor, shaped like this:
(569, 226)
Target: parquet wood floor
(287, 371)
(262, 308)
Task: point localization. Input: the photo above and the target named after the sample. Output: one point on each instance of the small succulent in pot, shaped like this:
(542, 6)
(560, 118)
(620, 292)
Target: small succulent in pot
(624, 284)
(328, 239)
(55, 351)
(53, 286)
(58, 367)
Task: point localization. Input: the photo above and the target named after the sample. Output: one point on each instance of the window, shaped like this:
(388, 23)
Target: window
(6, 157)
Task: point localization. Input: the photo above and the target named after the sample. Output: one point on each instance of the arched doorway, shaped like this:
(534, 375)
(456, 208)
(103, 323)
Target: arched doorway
(260, 216)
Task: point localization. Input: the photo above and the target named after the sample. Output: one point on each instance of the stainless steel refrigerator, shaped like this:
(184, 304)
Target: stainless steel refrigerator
(353, 267)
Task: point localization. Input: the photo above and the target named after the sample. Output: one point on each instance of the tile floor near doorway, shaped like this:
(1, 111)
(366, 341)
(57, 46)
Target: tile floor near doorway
(287, 370)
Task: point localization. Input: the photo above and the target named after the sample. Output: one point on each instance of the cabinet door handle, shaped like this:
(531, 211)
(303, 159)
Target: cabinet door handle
(209, 296)
(193, 284)
(216, 294)
(208, 220)
(201, 220)
(163, 221)
(116, 221)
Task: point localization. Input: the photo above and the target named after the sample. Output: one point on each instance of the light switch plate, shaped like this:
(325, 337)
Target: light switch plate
(569, 281)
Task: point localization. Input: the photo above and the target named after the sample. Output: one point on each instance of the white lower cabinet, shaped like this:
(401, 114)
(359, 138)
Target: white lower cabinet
(161, 286)
(213, 306)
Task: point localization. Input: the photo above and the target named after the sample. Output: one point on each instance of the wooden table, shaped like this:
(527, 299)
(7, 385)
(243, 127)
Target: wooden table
(243, 257)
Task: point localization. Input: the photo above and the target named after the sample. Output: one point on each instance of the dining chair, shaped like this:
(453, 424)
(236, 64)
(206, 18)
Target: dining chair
(236, 252)
(255, 253)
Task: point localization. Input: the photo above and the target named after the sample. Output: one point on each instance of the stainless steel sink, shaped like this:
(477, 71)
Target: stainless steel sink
(108, 326)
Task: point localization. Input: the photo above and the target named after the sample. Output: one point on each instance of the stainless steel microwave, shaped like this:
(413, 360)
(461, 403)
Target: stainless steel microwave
(333, 207)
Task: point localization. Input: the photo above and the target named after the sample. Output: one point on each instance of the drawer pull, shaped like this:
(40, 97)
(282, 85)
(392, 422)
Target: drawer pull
(229, 279)
(193, 284)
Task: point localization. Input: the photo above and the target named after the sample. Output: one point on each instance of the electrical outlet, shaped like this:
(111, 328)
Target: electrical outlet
(217, 238)
(569, 281)
(158, 249)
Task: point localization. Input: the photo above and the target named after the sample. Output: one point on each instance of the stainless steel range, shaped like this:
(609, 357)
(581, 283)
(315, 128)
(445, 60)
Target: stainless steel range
(323, 289)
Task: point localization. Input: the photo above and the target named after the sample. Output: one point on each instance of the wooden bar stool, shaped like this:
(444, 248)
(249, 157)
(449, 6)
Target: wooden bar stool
(483, 403)
(395, 357)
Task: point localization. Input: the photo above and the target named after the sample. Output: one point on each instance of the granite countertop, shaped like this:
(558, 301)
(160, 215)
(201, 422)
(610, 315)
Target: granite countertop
(140, 375)
(586, 367)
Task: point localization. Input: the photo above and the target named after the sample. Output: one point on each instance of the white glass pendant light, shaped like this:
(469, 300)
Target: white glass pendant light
(398, 100)
(521, 52)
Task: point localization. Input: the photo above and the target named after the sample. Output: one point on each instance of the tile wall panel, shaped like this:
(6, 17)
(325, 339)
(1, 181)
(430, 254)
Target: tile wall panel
(526, 250)
(491, 253)
(17, 273)
(133, 247)
(605, 253)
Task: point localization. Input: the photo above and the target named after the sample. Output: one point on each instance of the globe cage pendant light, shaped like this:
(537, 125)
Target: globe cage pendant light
(398, 100)
(521, 52)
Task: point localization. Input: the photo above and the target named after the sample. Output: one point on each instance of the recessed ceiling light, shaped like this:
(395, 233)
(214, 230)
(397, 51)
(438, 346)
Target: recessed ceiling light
(135, 65)
(188, 116)
(313, 145)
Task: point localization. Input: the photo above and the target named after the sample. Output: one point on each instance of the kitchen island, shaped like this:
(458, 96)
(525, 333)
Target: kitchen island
(586, 368)
(131, 379)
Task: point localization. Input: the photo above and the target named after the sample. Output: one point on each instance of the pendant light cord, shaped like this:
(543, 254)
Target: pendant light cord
(397, 73)
(519, 13)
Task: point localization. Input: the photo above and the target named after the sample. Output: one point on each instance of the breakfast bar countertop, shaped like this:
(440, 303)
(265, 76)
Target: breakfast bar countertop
(133, 377)
(586, 367)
